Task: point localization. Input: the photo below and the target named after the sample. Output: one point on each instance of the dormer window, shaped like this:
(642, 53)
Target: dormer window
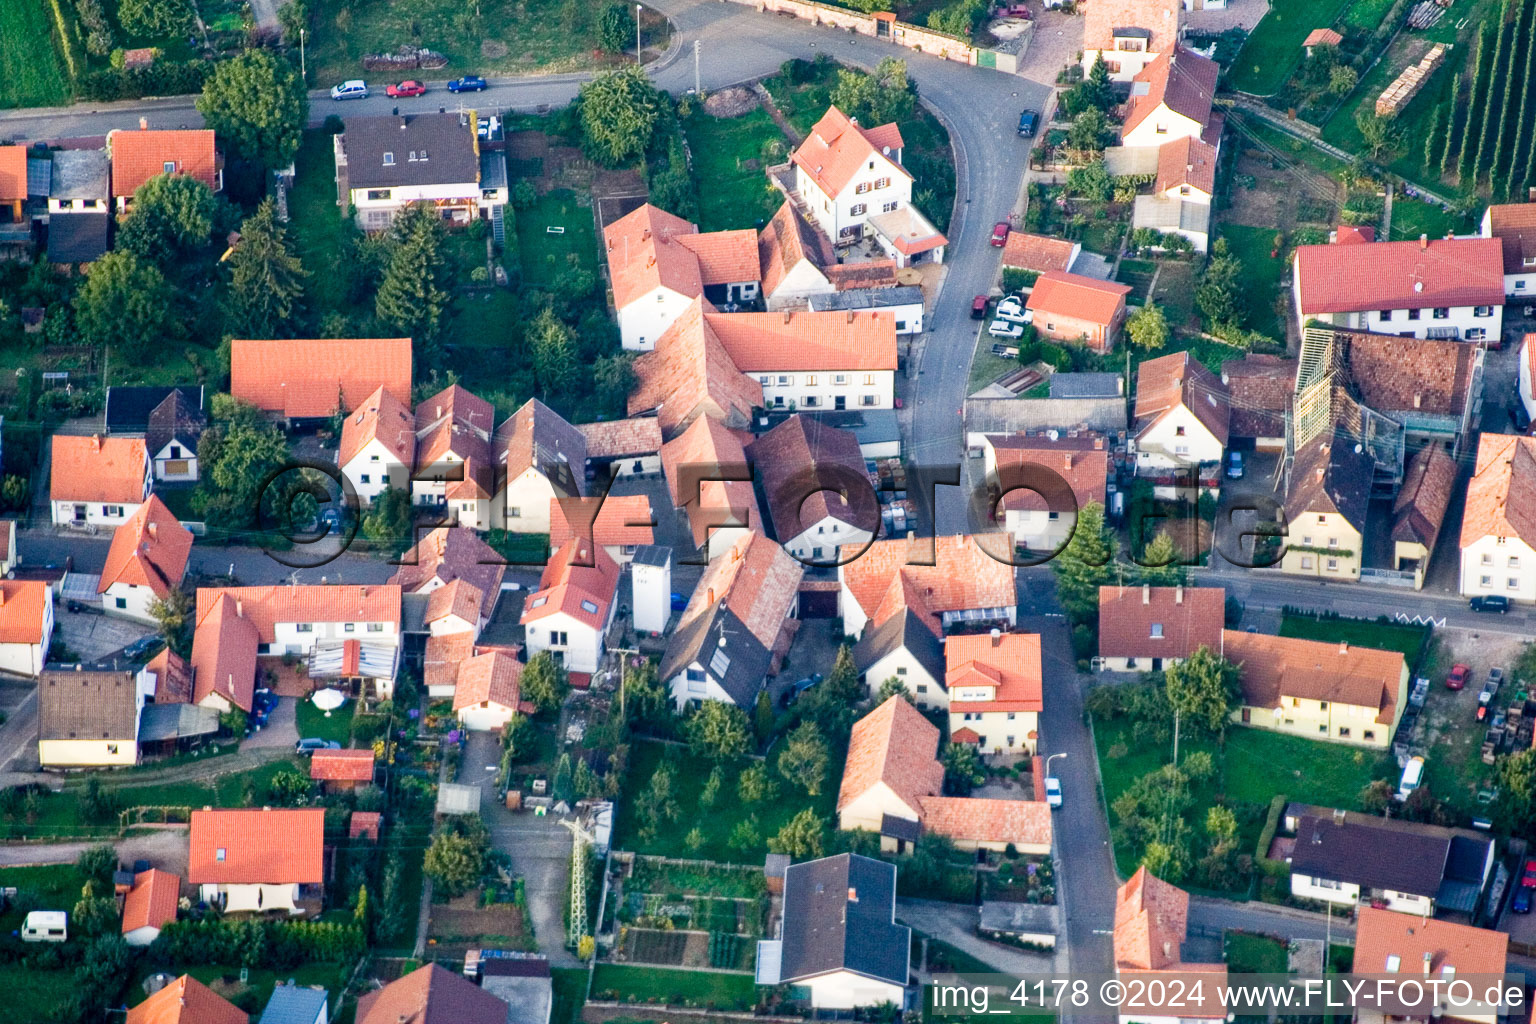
(220, 854)
(389, 159)
(412, 157)
(423, 155)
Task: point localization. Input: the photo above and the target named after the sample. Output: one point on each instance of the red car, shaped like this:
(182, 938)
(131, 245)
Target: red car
(979, 308)
(1528, 874)
(1458, 677)
(407, 88)
(1000, 233)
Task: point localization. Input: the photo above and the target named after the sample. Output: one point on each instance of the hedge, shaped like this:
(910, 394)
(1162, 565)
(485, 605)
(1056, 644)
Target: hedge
(1271, 826)
(279, 945)
(161, 79)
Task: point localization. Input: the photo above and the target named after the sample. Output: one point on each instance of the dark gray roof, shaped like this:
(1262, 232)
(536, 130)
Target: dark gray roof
(999, 916)
(839, 914)
(39, 176)
(174, 419)
(653, 554)
(493, 169)
(87, 705)
(291, 1004)
(1085, 385)
(869, 426)
(1131, 32)
(1329, 475)
(79, 174)
(77, 237)
(159, 722)
(447, 142)
(867, 298)
(1468, 860)
(900, 828)
(128, 408)
(1352, 851)
(744, 659)
(905, 630)
(1010, 415)
(775, 865)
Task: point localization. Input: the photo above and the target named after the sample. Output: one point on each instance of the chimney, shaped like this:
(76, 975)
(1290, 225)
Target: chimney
(1146, 593)
(786, 316)
(710, 596)
(1428, 959)
(95, 442)
(853, 895)
(1423, 241)
(850, 316)
(154, 530)
(439, 408)
(1066, 460)
(997, 638)
(239, 608)
(2, 596)
(143, 124)
(1178, 594)
(1343, 647)
(645, 236)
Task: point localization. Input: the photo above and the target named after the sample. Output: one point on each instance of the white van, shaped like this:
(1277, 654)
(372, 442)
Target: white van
(1413, 774)
(45, 926)
(356, 89)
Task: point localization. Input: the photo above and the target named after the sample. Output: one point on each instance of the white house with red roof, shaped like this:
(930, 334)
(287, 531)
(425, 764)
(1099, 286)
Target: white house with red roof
(1525, 377)
(1447, 288)
(486, 692)
(624, 523)
(1076, 308)
(659, 263)
(1130, 34)
(995, 691)
(1183, 415)
(258, 860)
(851, 182)
(1042, 481)
(26, 626)
(146, 561)
(98, 481)
(1514, 225)
(570, 612)
(378, 446)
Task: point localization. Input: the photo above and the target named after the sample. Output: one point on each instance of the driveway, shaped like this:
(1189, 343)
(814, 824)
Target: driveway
(164, 848)
(281, 730)
(955, 924)
(92, 636)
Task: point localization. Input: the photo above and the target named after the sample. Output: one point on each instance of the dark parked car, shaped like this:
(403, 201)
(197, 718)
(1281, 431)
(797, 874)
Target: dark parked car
(143, 647)
(469, 83)
(1029, 120)
(679, 602)
(1458, 677)
(979, 308)
(310, 744)
(1521, 417)
(1491, 603)
(1521, 904)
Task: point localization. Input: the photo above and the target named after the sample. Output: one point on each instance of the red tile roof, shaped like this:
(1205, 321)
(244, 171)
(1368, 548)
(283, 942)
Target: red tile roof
(1168, 382)
(223, 651)
(693, 454)
(431, 995)
(838, 148)
(1083, 462)
(1425, 946)
(259, 845)
(1322, 37)
(963, 576)
(650, 248)
(13, 173)
(23, 605)
(803, 453)
(616, 439)
(456, 422)
(1151, 920)
(1353, 234)
(1259, 389)
(450, 553)
(1428, 480)
(364, 825)
(310, 378)
(444, 653)
(1179, 79)
(173, 677)
(1186, 161)
(785, 242)
(832, 340)
(341, 766)
(492, 677)
(690, 374)
(893, 744)
(1514, 225)
(725, 257)
(1160, 622)
(1273, 667)
(1083, 298)
(149, 550)
(1501, 496)
(621, 519)
(104, 469)
(1158, 17)
(758, 581)
(1038, 252)
(1400, 275)
(460, 597)
(152, 901)
(1008, 667)
(186, 1001)
(579, 580)
(384, 417)
(266, 606)
(140, 155)
(982, 820)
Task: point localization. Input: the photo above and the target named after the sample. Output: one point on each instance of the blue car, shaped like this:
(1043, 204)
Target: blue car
(1522, 900)
(679, 602)
(469, 83)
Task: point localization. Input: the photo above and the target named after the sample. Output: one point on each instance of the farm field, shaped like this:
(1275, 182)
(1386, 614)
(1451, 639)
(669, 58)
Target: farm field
(32, 74)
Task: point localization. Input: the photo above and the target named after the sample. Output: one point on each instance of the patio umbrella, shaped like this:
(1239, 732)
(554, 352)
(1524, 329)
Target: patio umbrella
(328, 700)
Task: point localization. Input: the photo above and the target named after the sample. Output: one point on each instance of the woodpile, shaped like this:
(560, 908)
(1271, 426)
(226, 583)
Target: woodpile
(407, 58)
(1397, 95)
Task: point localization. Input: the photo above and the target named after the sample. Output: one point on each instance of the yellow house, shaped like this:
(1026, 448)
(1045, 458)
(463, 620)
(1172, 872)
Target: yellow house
(1327, 496)
(1420, 509)
(994, 686)
(1319, 690)
(89, 719)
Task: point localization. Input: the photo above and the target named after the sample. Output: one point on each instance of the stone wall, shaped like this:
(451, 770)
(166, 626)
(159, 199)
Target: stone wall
(913, 37)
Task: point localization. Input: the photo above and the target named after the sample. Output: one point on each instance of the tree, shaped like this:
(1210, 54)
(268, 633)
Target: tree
(802, 836)
(155, 19)
(711, 791)
(238, 461)
(554, 357)
(718, 730)
(963, 770)
(266, 281)
(1097, 89)
(174, 613)
(258, 107)
(613, 378)
(1203, 688)
(413, 298)
(455, 860)
(1515, 777)
(1342, 80)
(1221, 286)
(519, 738)
(126, 303)
(289, 788)
(94, 913)
(1166, 860)
(562, 789)
(895, 686)
(389, 518)
(1380, 134)
(745, 836)
(544, 682)
(1161, 563)
(805, 758)
(1147, 328)
(619, 112)
(616, 28)
(646, 699)
(694, 839)
(874, 99)
(97, 862)
(762, 717)
(1091, 182)
(1199, 766)
(585, 781)
(1083, 565)
(1088, 131)
(754, 785)
(1376, 796)
(657, 804)
(172, 217)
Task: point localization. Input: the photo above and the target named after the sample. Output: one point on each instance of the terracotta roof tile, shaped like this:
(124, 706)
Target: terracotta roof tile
(1151, 921)
(1008, 665)
(1084, 298)
(642, 256)
(150, 550)
(1425, 945)
(1514, 225)
(23, 604)
(444, 654)
(1353, 234)
(869, 274)
(309, 378)
(1259, 389)
(1038, 252)
(265, 845)
(621, 520)
(896, 745)
(1159, 17)
(538, 438)
(837, 147)
(13, 173)
(785, 241)
(138, 156)
(1400, 275)
(690, 374)
(1186, 161)
(364, 825)
(579, 580)
(1083, 462)
(1419, 510)
(983, 820)
(492, 677)
(152, 901)
(456, 422)
(450, 553)
(1501, 497)
(266, 606)
(1179, 79)
(105, 469)
(962, 577)
(431, 995)
(173, 677)
(614, 439)
(223, 651)
(1279, 666)
(1420, 375)
(1160, 622)
(725, 257)
(832, 340)
(1167, 382)
(707, 448)
(186, 1001)
(458, 597)
(1322, 37)
(341, 766)
(803, 449)
(757, 580)
(380, 416)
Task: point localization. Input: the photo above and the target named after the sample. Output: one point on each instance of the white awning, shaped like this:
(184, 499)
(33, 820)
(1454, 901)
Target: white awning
(770, 960)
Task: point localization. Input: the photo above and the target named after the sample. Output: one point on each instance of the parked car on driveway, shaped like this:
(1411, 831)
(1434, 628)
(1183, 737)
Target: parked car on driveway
(1491, 603)
(1458, 677)
(354, 89)
(1234, 465)
(1528, 872)
(143, 647)
(469, 83)
(310, 744)
(1012, 310)
(1521, 904)
(409, 87)
(1000, 233)
(1004, 329)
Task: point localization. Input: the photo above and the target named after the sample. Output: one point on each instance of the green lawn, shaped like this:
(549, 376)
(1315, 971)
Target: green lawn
(1261, 275)
(696, 988)
(729, 155)
(33, 994)
(1137, 274)
(570, 985)
(335, 726)
(1412, 218)
(1254, 954)
(1384, 636)
(318, 227)
(717, 822)
(546, 254)
(1274, 48)
(32, 74)
(986, 367)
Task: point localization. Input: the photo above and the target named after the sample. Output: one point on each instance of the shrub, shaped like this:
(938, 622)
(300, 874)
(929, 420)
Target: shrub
(1015, 278)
